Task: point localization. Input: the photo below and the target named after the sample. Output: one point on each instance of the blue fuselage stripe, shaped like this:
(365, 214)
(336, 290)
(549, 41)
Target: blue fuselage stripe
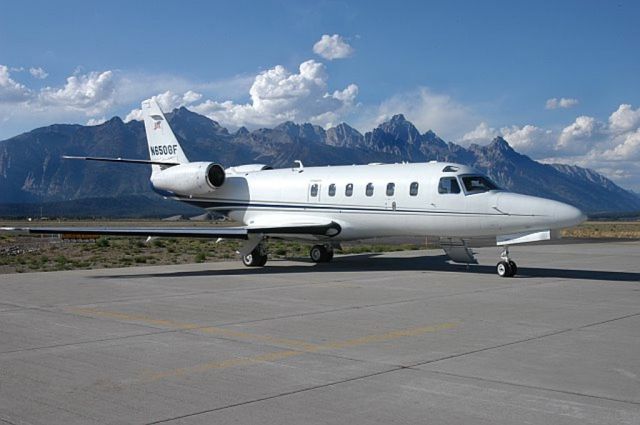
(239, 205)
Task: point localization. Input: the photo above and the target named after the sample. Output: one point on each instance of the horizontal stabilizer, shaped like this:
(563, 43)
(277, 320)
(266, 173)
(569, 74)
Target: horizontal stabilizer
(124, 160)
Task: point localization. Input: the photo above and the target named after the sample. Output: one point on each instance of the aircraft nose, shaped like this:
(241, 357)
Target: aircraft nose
(556, 215)
(567, 216)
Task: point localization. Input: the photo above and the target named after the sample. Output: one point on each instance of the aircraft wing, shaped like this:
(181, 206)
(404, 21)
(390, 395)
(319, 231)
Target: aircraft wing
(325, 229)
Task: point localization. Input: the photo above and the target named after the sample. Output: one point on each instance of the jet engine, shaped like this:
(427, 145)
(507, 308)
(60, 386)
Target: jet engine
(193, 178)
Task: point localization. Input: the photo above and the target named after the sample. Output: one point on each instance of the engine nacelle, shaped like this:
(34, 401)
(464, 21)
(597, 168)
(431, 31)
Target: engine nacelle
(193, 178)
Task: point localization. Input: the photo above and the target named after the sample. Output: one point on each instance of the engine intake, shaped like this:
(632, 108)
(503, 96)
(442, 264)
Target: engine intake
(215, 175)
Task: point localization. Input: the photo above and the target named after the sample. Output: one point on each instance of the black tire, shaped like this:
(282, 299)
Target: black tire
(514, 268)
(320, 254)
(504, 269)
(263, 260)
(256, 258)
(330, 255)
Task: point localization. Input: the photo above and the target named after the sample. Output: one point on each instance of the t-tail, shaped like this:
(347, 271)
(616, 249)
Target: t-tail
(163, 145)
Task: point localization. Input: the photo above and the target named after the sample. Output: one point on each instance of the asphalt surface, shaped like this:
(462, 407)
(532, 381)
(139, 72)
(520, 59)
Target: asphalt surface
(399, 338)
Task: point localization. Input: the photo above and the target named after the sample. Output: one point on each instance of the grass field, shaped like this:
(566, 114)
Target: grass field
(29, 253)
(605, 229)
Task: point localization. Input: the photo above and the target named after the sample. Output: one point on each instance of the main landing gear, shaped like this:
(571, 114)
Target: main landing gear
(321, 253)
(506, 267)
(257, 257)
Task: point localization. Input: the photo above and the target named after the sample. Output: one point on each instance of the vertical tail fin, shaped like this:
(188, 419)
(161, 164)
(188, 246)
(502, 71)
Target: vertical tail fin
(163, 145)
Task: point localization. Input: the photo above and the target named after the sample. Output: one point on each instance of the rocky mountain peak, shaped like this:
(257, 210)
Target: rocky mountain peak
(306, 131)
(242, 132)
(186, 122)
(344, 135)
(500, 144)
(400, 129)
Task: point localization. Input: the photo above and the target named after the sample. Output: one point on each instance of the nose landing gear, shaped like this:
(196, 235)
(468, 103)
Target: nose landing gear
(506, 267)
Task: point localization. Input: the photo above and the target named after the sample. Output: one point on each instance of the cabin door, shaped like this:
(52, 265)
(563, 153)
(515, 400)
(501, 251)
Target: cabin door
(390, 196)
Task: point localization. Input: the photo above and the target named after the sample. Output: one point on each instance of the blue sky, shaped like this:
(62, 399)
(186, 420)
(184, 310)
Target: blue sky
(559, 80)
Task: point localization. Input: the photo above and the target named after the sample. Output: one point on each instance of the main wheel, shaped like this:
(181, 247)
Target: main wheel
(256, 258)
(514, 267)
(504, 269)
(320, 254)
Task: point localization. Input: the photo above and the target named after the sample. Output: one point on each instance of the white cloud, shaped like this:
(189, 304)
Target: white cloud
(563, 102)
(10, 90)
(611, 148)
(332, 47)
(581, 136)
(168, 101)
(481, 134)
(627, 149)
(528, 139)
(92, 93)
(624, 119)
(39, 73)
(427, 110)
(278, 95)
(96, 121)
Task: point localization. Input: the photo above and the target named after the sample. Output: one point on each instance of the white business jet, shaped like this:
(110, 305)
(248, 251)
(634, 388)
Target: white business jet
(331, 204)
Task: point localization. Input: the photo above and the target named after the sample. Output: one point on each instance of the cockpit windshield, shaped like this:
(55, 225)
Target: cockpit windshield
(478, 184)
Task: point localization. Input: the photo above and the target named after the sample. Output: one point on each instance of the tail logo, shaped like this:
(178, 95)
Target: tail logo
(157, 125)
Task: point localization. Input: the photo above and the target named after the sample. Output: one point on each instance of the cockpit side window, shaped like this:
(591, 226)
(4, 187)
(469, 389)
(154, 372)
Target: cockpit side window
(478, 184)
(448, 185)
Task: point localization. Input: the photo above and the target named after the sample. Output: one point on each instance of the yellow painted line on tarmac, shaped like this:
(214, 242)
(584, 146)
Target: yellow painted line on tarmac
(279, 355)
(212, 330)
(223, 364)
(131, 318)
(388, 336)
(297, 347)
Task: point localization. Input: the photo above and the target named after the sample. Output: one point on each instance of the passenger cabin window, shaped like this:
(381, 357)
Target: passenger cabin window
(332, 189)
(391, 188)
(348, 191)
(448, 185)
(478, 184)
(314, 190)
(369, 191)
(413, 189)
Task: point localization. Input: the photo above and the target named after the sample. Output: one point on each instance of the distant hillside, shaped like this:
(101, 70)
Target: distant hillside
(130, 206)
(31, 170)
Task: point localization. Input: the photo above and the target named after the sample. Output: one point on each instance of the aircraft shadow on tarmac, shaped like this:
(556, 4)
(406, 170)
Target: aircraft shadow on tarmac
(374, 262)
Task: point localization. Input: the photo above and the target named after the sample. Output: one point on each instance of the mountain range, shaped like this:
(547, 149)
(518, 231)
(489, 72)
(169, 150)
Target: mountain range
(32, 171)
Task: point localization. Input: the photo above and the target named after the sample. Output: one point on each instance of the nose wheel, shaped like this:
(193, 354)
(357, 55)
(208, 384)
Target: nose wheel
(321, 253)
(506, 267)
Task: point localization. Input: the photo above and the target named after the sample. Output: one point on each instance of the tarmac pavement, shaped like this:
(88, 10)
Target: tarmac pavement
(400, 338)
